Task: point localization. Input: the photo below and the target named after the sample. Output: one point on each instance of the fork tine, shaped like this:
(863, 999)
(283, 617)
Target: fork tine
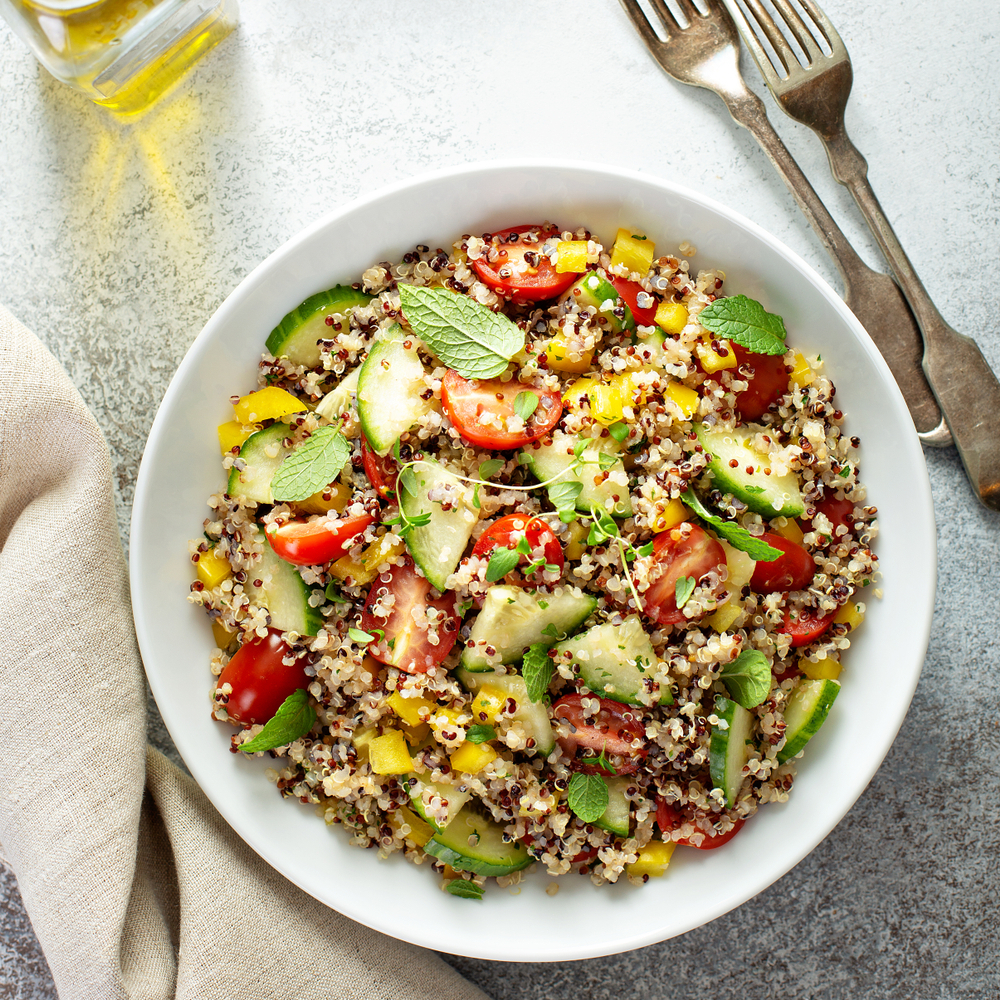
(799, 30)
(635, 12)
(666, 16)
(764, 59)
(688, 9)
(826, 28)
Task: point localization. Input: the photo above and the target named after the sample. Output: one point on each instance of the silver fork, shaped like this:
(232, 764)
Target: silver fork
(705, 53)
(815, 93)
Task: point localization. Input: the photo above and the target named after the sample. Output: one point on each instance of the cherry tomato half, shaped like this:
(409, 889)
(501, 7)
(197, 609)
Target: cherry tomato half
(482, 408)
(612, 731)
(506, 532)
(260, 678)
(805, 626)
(398, 605)
(768, 381)
(629, 291)
(668, 818)
(521, 273)
(381, 471)
(792, 570)
(317, 541)
(840, 513)
(684, 551)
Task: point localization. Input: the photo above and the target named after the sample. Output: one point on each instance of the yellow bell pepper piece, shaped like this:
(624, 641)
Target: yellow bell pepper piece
(671, 317)
(850, 614)
(633, 250)
(577, 535)
(723, 617)
(389, 754)
(788, 528)
(471, 758)
(652, 860)
(222, 636)
(687, 400)
(711, 360)
(362, 739)
(676, 512)
(265, 404)
(211, 569)
(802, 373)
(444, 718)
(607, 399)
(232, 434)
(408, 709)
(487, 705)
(561, 357)
(415, 735)
(420, 832)
(336, 497)
(362, 571)
(825, 669)
(572, 256)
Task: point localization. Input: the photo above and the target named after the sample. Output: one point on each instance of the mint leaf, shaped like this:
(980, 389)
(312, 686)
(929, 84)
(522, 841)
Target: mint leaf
(465, 889)
(619, 431)
(747, 678)
(745, 322)
(502, 561)
(294, 718)
(481, 734)
(683, 589)
(537, 669)
(738, 537)
(490, 468)
(465, 335)
(312, 465)
(564, 496)
(333, 593)
(587, 796)
(525, 403)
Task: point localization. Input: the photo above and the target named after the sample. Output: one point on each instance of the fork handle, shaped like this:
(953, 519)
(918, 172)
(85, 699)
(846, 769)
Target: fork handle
(962, 380)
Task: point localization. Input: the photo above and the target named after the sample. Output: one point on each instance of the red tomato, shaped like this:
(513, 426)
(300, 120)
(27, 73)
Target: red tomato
(612, 731)
(260, 679)
(805, 627)
(839, 512)
(793, 570)
(507, 531)
(668, 818)
(768, 380)
(629, 291)
(381, 472)
(481, 408)
(686, 550)
(519, 276)
(320, 540)
(407, 641)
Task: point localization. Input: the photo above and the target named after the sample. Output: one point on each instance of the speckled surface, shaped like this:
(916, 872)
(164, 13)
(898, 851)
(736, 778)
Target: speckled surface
(117, 242)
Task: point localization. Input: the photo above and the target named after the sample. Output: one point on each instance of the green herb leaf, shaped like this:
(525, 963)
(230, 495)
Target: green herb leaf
(359, 635)
(645, 550)
(564, 496)
(553, 630)
(481, 734)
(475, 498)
(844, 472)
(490, 468)
(744, 321)
(601, 761)
(464, 888)
(294, 718)
(619, 431)
(738, 537)
(525, 403)
(333, 593)
(523, 546)
(587, 796)
(312, 465)
(465, 335)
(408, 481)
(605, 461)
(747, 678)
(537, 669)
(502, 561)
(683, 589)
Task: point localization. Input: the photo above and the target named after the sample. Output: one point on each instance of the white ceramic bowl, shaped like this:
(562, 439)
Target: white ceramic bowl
(181, 468)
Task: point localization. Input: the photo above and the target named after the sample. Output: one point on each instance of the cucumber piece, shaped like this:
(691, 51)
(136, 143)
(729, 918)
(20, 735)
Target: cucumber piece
(557, 459)
(340, 399)
(769, 496)
(594, 290)
(452, 801)
(389, 385)
(728, 750)
(805, 712)
(284, 593)
(616, 818)
(512, 619)
(614, 660)
(472, 843)
(438, 545)
(262, 452)
(533, 715)
(297, 336)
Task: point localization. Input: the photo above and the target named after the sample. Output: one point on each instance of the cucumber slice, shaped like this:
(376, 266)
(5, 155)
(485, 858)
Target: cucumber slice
(284, 593)
(805, 712)
(389, 385)
(262, 452)
(594, 290)
(340, 399)
(297, 336)
(450, 803)
(729, 748)
(614, 660)
(472, 843)
(557, 459)
(533, 715)
(769, 496)
(438, 545)
(512, 619)
(617, 816)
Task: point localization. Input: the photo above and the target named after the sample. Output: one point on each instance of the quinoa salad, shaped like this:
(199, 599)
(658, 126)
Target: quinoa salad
(534, 551)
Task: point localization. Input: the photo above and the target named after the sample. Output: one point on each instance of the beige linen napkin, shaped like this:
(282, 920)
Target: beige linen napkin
(134, 884)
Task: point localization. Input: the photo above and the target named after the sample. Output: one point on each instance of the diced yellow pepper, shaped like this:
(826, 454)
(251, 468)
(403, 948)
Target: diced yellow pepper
(415, 735)
(711, 360)
(671, 317)
(687, 400)
(633, 250)
(788, 528)
(577, 535)
(444, 718)
(336, 497)
(802, 374)
(652, 860)
(212, 570)
(362, 571)
(487, 705)
(471, 758)
(232, 434)
(362, 739)
(607, 399)
(389, 754)
(222, 636)
(572, 256)
(266, 404)
(420, 832)
(723, 617)
(562, 358)
(408, 709)
(676, 512)
(850, 614)
(825, 669)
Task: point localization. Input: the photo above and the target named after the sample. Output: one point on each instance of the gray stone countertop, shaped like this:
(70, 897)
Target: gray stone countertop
(118, 241)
